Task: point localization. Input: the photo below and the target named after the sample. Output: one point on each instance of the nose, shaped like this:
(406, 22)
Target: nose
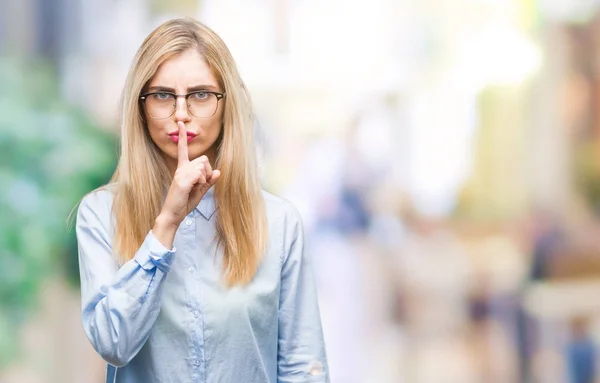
(181, 109)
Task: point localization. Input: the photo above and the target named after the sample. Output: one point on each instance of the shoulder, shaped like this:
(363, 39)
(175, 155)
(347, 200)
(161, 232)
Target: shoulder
(97, 204)
(285, 224)
(279, 208)
(103, 196)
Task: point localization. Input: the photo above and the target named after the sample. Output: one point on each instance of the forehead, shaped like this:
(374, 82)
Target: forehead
(188, 68)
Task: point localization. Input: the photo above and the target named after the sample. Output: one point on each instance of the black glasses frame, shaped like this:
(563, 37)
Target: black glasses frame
(218, 95)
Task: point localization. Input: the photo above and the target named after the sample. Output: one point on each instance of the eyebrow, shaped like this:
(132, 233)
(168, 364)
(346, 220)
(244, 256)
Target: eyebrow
(194, 88)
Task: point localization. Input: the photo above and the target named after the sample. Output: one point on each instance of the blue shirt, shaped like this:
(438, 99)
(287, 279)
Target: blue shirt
(165, 316)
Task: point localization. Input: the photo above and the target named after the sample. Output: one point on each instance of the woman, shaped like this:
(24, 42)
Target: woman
(189, 272)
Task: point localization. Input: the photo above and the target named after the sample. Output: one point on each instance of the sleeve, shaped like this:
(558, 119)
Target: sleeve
(119, 305)
(301, 347)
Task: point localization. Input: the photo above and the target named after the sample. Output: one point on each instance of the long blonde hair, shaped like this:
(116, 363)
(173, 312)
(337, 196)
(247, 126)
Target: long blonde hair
(141, 177)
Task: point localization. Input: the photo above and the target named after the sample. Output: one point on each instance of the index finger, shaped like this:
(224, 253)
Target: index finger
(182, 146)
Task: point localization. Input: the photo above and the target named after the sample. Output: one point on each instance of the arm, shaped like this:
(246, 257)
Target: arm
(301, 348)
(120, 305)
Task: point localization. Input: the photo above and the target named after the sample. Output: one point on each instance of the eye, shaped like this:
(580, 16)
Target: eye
(162, 96)
(199, 96)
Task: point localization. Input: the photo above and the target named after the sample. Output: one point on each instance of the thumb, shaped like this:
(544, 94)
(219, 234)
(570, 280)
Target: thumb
(215, 177)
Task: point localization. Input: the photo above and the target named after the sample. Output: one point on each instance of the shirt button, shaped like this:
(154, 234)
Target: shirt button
(316, 368)
(192, 269)
(196, 313)
(188, 222)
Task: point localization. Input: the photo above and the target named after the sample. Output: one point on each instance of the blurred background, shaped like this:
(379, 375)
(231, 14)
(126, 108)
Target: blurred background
(444, 155)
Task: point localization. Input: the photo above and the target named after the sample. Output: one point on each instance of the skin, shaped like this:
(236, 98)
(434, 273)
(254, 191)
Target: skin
(190, 163)
(181, 74)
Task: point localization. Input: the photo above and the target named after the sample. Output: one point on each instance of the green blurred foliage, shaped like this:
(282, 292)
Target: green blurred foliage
(51, 154)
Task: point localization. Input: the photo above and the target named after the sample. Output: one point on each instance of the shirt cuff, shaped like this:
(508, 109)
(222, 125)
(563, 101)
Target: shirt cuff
(152, 254)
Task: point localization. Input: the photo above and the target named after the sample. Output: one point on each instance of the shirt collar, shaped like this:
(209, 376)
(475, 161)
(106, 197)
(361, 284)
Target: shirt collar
(207, 206)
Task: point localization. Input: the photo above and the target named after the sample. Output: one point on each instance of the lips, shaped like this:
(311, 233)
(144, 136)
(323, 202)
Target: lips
(175, 136)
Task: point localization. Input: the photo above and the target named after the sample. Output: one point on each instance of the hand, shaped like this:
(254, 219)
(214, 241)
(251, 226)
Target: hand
(191, 181)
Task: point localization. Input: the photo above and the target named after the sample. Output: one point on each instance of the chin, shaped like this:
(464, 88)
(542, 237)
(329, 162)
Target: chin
(195, 154)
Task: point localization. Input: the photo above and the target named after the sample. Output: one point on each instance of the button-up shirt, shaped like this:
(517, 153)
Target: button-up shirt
(166, 315)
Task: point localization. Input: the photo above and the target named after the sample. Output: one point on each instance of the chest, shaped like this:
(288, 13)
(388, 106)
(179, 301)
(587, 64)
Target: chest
(194, 288)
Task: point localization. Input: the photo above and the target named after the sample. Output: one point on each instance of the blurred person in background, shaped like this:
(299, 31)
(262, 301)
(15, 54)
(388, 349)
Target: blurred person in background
(189, 273)
(581, 353)
(432, 269)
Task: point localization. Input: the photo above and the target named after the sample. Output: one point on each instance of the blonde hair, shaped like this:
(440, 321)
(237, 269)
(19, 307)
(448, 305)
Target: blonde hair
(142, 177)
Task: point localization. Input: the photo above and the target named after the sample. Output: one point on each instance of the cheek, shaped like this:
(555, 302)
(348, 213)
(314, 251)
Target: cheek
(160, 139)
(219, 122)
(155, 130)
(213, 128)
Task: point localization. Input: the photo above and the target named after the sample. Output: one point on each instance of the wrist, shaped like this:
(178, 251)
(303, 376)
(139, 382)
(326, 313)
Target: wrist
(164, 230)
(166, 221)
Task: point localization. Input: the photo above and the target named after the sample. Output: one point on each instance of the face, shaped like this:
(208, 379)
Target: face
(182, 74)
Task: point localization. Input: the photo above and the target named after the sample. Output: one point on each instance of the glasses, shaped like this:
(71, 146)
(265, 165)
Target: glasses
(161, 105)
